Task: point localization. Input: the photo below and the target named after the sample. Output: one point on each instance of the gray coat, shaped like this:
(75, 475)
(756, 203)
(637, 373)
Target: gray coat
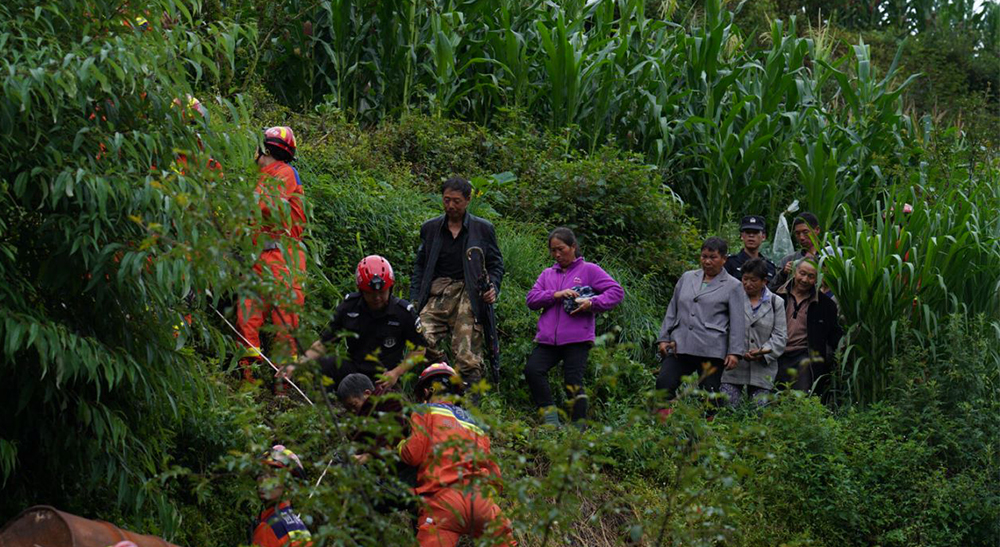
(767, 330)
(706, 323)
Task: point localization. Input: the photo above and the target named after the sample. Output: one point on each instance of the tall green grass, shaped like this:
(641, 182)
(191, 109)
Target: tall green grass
(737, 125)
(899, 275)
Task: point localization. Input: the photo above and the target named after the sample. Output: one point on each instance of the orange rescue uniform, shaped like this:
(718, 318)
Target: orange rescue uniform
(450, 452)
(280, 526)
(279, 186)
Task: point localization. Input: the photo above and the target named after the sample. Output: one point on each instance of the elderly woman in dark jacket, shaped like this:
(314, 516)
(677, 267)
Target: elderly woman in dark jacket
(704, 328)
(764, 312)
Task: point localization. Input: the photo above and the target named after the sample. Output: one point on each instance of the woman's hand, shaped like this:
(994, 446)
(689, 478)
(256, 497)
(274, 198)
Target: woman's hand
(665, 347)
(731, 361)
(565, 293)
(584, 305)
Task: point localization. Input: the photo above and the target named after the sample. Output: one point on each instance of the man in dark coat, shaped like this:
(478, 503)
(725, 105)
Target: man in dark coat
(813, 331)
(443, 288)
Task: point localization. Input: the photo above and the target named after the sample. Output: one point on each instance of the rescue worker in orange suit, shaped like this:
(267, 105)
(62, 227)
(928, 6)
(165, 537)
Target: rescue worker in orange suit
(278, 525)
(279, 191)
(451, 453)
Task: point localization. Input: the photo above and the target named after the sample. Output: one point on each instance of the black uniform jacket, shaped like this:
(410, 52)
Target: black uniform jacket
(734, 265)
(381, 334)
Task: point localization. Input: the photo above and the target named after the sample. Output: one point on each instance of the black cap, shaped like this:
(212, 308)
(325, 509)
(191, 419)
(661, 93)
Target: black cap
(753, 222)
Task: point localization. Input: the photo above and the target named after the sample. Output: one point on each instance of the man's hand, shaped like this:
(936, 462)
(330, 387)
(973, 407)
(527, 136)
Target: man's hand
(565, 293)
(390, 378)
(665, 347)
(490, 296)
(285, 372)
(584, 306)
(362, 458)
(731, 361)
(788, 267)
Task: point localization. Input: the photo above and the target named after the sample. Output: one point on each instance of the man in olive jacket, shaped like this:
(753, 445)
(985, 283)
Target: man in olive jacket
(443, 287)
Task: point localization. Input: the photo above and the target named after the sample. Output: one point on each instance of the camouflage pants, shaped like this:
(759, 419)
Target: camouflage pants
(448, 310)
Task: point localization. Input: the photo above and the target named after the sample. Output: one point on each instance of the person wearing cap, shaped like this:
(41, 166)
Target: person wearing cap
(279, 194)
(456, 477)
(278, 525)
(753, 232)
(381, 325)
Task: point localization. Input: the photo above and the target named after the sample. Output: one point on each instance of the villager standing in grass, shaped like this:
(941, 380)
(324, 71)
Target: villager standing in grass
(704, 328)
(570, 294)
(764, 312)
(443, 288)
(813, 331)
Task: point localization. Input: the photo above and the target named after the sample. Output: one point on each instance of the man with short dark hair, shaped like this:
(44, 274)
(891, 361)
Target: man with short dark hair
(360, 396)
(806, 230)
(443, 288)
(753, 232)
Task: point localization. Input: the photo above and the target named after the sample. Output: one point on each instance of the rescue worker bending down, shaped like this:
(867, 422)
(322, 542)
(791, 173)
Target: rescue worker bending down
(451, 453)
(278, 525)
(382, 323)
(279, 192)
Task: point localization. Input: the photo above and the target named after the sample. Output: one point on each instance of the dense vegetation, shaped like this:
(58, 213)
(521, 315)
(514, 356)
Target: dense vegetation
(644, 126)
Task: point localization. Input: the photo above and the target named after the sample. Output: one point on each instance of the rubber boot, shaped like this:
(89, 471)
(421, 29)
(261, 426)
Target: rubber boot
(471, 379)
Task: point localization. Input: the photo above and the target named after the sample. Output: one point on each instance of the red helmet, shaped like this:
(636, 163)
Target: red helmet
(283, 458)
(374, 274)
(280, 137)
(436, 370)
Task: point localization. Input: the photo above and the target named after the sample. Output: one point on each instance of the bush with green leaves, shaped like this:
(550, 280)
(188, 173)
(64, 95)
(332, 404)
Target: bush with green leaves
(105, 232)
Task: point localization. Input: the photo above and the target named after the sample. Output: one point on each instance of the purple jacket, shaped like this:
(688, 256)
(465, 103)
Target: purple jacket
(555, 326)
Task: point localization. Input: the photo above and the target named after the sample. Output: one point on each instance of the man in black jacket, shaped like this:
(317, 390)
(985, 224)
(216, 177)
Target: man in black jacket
(443, 288)
(813, 331)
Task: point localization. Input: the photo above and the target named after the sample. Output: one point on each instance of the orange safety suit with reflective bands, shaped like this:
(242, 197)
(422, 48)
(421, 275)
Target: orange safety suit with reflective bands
(280, 526)
(279, 186)
(451, 451)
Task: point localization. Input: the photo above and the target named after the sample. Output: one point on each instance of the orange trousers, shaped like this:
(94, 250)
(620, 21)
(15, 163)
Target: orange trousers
(448, 514)
(251, 313)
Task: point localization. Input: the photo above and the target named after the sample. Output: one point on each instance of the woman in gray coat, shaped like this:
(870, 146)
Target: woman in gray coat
(765, 338)
(704, 328)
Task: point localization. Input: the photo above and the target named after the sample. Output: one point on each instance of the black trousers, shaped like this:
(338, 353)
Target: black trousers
(574, 360)
(812, 372)
(675, 367)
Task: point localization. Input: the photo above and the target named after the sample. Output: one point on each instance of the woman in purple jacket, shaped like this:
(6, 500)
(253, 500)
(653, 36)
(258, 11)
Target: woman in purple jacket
(563, 335)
